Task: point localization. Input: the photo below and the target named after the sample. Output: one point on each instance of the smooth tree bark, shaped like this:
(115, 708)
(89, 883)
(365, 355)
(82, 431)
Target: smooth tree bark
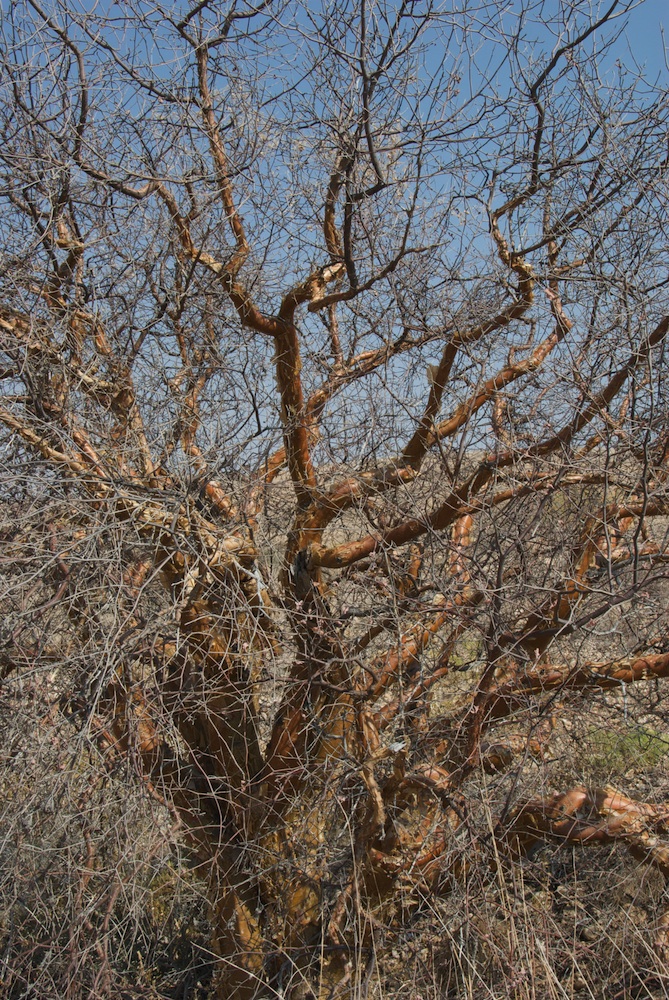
(333, 342)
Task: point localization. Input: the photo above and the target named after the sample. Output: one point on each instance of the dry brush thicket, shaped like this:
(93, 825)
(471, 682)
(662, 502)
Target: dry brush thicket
(334, 502)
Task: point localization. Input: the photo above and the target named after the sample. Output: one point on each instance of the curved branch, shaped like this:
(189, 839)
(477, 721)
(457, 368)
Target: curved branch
(513, 695)
(591, 816)
(220, 159)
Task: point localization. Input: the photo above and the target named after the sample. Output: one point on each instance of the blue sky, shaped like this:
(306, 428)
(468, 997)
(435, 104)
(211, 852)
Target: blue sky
(646, 38)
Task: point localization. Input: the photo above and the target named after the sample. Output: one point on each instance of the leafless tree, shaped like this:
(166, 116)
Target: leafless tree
(335, 446)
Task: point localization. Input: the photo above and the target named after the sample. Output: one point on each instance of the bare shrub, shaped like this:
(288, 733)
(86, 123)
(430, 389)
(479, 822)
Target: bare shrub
(334, 509)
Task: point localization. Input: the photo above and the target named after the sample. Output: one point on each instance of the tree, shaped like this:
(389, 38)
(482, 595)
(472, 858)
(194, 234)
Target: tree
(336, 451)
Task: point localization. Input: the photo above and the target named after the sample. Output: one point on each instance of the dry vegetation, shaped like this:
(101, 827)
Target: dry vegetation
(335, 504)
